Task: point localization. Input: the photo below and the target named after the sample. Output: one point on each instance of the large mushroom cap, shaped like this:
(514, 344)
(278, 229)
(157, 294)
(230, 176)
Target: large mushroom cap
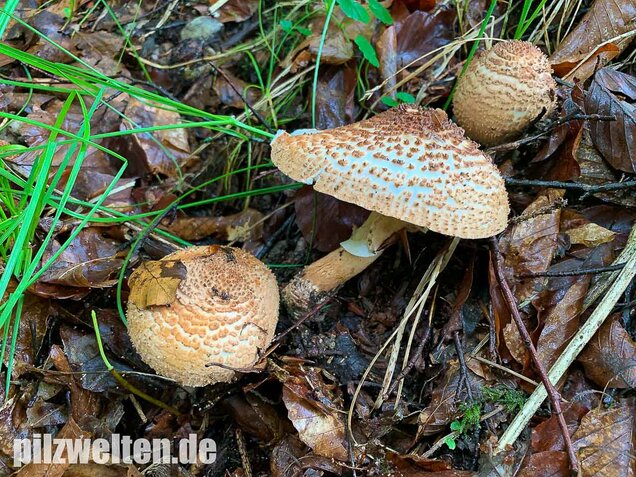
(200, 306)
(408, 163)
(503, 91)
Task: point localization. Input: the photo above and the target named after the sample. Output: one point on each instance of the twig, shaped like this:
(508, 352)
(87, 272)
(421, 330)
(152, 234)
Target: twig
(573, 273)
(510, 146)
(587, 188)
(527, 341)
(576, 345)
(463, 369)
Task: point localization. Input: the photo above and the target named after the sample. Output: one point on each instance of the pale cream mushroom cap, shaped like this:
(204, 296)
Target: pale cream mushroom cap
(200, 306)
(503, 91)
(408, 163)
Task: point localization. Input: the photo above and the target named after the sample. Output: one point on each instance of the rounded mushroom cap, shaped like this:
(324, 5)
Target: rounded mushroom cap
(503, 91)
(199, 307)
(408, 163)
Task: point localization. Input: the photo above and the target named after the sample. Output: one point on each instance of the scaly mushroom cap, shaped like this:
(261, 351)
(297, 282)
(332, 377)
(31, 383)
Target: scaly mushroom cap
(503, 91)
(201, 306)
(408, 163)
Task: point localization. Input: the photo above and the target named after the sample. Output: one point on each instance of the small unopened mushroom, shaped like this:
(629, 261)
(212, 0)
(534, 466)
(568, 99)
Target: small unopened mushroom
(503, 91)
(408, 165)
(200, 313)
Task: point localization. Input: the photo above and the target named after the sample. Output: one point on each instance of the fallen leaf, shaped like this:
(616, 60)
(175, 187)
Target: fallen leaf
(165, 151)
(604, 441)
(609, 359)
(527, 247)
(315, 412)
(335, 97)
(594, 40)
(90, 261)
(443, 407)
(155, 283)
(547, 436)
(236, 10)
(325, 221)
(613, 93)
(590, 235)
(546, 464)
(243, 226)
(596, 171)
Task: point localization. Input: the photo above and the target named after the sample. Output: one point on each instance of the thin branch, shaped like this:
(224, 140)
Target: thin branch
(573, 273)
(510, 146)
(553, 394)
(587, 188)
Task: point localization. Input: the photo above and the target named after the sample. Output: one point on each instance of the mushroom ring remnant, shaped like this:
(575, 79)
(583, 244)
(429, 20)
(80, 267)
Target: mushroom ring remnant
(409, 166)
(199, 308)
(503, 91)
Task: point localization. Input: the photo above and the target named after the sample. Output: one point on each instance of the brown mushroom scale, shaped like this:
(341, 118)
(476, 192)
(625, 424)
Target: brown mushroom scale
(408, 166)
(198, 314)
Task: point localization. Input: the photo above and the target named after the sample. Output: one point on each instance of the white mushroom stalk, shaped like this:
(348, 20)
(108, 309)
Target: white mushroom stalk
(407, 164)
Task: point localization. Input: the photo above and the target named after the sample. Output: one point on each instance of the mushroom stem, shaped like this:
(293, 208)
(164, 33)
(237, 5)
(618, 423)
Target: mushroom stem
(321, 279)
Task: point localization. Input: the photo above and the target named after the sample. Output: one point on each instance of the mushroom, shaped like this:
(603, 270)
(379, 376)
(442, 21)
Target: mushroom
(407, 165)
(200, 313)
(503, 91)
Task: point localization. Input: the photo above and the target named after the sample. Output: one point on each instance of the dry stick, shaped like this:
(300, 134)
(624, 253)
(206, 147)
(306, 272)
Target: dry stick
(527, 341)
(576, 345)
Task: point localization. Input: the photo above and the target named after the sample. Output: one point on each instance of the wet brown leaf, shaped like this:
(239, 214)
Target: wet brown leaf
(416, 466)
(527, 247)
(604, 441)
(237, 10)
(316, 412)
(337, 48)
(285, 460)
(547, 436)
(226, 87)
(335, 97)
(613, 93)
(546, 464)
(559, 305)
(325, 221)
(257, 418)
(83, 403)
(244, 226)
(163, 152)
(90, 261)
(588, 42)
(31, 333)
(413, 37)
(443, 407)
(590, 235)
(596, 171)
(610, 358)
(42, 413)
(70, 431)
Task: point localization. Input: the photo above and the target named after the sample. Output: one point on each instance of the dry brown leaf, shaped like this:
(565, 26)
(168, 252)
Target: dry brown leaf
(156, 283)
(590, 235)
(604, 442)
(316, 412)
(588, 42)
(610, 358)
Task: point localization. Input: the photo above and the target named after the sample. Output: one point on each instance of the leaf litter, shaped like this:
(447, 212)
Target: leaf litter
(323, 405)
